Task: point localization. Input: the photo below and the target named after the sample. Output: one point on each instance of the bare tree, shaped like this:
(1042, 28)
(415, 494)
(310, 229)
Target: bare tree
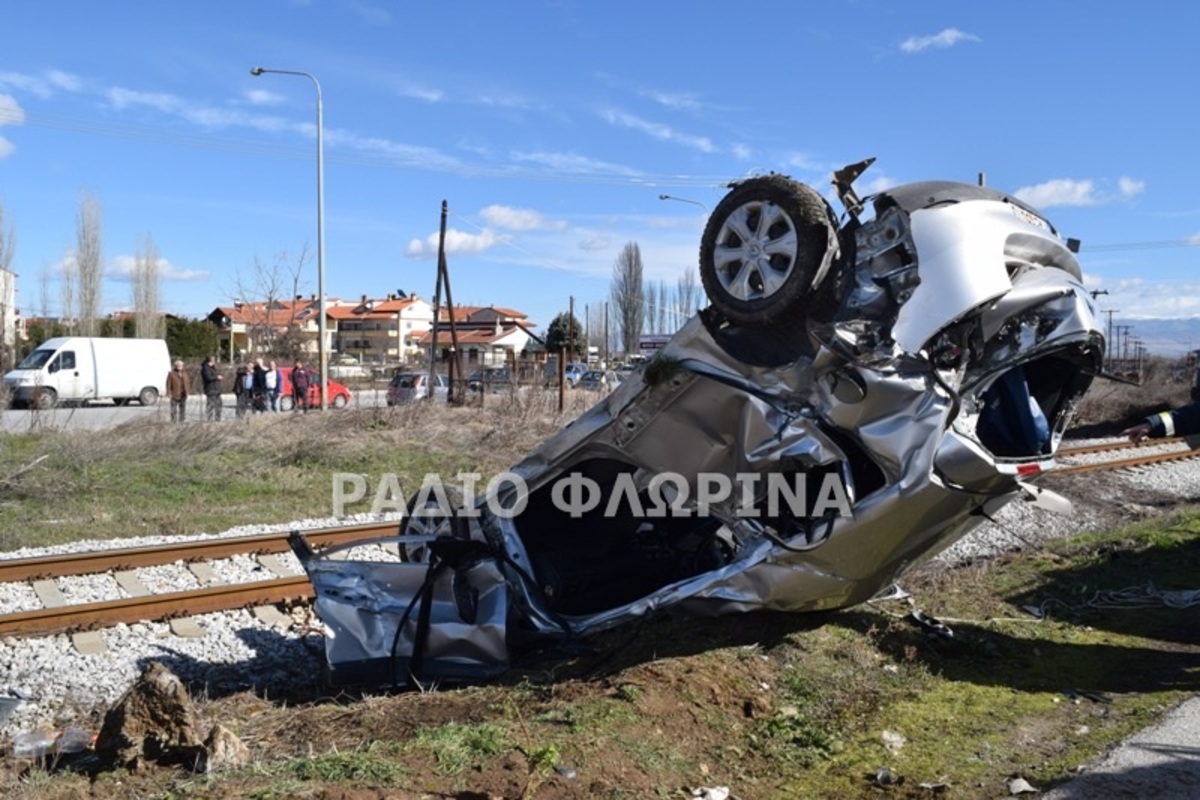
(43, 278)
(89, 262)
(687, 294)
(145, 285)
(8, 321)
(269, 292)
(68, 297)
(628, 296)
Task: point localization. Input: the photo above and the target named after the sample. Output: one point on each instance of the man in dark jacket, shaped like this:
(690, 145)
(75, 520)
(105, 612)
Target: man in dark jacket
(301, 381)
(211, 378)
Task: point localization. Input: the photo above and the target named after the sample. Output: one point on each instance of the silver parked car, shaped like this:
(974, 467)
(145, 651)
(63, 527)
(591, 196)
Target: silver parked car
(408, 386)
(861, 392)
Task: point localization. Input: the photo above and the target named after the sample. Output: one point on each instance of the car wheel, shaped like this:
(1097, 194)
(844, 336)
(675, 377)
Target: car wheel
(339, 401)
(287, 403)
(767, 244)
(45, 398)
(432, 521)
(148, 396)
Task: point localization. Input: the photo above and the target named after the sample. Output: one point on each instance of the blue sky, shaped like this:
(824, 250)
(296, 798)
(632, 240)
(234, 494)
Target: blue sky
(551, 127)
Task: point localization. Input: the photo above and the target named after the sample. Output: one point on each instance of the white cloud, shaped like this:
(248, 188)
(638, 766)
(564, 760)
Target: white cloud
(6, 148)
(742, 152)
(594, 244)
(569, 162)
(518, 219)
(121, 269)
(262, 97)
(456, 242)
(1060, 192)
(947, 38)
(421, 93)
(657, 130)
(42, 86)
(676, 101)
(11, 112)
(1194, 238)
(1130, 187)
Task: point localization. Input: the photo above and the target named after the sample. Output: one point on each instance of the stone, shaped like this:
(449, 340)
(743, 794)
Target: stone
(154, 720)
(223, 750)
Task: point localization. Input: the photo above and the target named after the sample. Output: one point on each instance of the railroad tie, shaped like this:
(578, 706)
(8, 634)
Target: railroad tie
(186, 627)
(270, 614)
(88, 643)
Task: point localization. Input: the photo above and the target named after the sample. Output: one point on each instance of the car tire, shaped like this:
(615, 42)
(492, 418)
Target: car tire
(436, 522)
(287, 403)
(148, 396)
(45, 398)
(766, 246)
(339, 401)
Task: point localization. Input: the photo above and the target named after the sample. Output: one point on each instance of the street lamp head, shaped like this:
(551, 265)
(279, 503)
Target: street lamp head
(256, 70)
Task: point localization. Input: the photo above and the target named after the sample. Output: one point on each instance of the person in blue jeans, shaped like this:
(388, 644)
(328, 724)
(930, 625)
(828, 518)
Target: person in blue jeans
(274, 380)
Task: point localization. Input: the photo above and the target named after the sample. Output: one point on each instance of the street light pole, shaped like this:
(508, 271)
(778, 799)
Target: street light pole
(322, 356)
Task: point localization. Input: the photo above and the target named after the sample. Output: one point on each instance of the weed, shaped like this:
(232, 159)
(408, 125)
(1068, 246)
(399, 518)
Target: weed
(456, 746)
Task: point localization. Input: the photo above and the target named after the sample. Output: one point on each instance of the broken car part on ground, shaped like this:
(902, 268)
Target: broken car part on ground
(925, 353)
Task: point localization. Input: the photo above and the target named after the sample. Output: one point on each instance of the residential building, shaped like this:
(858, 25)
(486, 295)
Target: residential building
(260, 327)
(383, 331)
(486, 335)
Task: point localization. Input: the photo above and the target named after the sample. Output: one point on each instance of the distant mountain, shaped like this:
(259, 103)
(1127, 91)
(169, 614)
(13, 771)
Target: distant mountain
(1170, 337)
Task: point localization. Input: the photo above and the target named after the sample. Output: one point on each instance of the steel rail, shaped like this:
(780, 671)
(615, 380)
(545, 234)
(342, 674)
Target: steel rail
(1121, 445)
(1126, 463)
(106, 613)
(90, 563)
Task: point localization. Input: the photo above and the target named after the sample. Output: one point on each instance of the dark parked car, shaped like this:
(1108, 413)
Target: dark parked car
(492, 379)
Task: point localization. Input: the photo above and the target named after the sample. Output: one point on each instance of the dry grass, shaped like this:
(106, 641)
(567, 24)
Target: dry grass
(1112, 405)
(152, 477)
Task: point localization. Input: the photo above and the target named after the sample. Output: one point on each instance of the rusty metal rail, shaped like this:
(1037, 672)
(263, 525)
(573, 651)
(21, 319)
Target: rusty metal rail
(173, 605)
(24, 569)
(1067, 452)
(92, 616)
(1127, 463)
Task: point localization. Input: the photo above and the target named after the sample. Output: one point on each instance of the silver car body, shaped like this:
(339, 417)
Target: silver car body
(931, 379)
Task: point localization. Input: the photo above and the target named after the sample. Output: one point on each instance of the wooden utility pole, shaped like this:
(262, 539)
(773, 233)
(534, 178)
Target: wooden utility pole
(437, 305)
(571, 329)
(455, 355)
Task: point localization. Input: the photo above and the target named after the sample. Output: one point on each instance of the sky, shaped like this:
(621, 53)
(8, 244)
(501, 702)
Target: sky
(551, 128)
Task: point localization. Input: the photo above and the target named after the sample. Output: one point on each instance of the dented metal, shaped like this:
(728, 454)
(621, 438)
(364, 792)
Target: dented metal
(927, 377)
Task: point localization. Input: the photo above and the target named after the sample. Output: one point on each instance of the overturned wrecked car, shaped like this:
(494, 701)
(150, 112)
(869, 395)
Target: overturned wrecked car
(859, 394)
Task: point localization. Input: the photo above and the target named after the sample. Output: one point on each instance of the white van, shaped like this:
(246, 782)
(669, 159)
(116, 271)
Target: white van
(88, 368)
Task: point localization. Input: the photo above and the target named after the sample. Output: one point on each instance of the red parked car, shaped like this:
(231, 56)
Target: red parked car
(338, 395)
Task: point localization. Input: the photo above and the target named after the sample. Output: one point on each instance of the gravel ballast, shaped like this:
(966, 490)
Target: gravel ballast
(60, 687)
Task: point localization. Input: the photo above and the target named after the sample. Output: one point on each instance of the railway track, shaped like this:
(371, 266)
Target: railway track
(139, 604)
(83, 621)
(1147, 453)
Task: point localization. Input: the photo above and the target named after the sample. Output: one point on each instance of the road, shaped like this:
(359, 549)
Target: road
(106, 415)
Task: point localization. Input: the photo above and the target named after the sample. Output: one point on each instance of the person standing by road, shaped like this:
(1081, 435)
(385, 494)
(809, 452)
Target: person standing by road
(274, 379)
(300, 386)
(241, 389)
(258, 386)
(177, 390)
(210, 379)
